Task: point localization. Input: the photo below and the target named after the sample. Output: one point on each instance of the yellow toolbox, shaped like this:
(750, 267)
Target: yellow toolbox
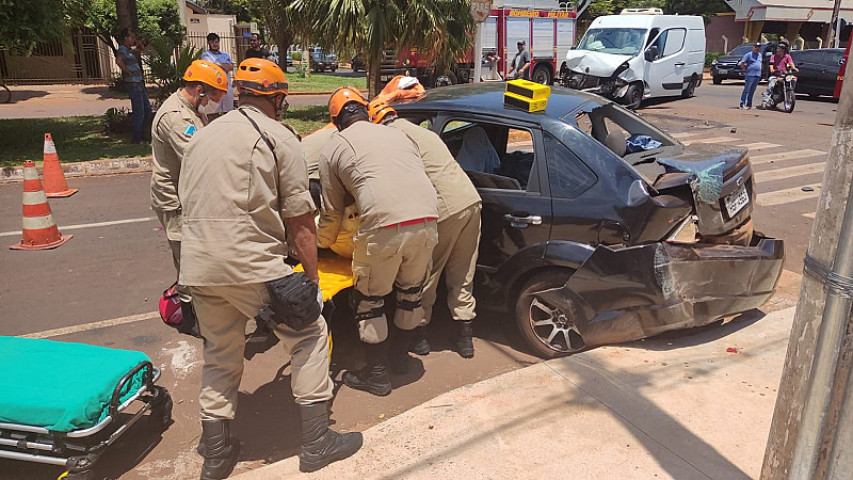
(528, 89)
(524, 103)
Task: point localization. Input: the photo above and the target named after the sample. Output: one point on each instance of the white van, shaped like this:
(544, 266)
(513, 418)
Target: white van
(632, 57)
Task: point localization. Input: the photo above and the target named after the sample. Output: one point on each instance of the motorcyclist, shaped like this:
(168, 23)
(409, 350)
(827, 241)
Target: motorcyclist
(780, 62)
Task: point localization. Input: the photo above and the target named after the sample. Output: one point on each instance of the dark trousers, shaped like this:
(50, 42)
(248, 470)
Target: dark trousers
(141, 110)
(750, 83)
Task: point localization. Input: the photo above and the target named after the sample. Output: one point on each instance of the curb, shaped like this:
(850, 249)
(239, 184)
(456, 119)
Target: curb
(111, 166)
(298, 94)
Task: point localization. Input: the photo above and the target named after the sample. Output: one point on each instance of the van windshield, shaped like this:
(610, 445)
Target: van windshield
(623, 41)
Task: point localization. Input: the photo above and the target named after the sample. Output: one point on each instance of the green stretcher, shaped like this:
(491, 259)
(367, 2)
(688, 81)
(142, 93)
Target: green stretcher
(64, 403)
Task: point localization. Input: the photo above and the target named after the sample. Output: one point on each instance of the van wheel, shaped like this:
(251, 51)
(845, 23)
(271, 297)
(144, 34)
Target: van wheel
(717, 79)
(691, 88)
(633, 97)
(548, 331)
(542, 75)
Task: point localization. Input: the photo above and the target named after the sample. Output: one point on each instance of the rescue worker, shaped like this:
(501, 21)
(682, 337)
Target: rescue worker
(380, 168)
(177, 120)
(243, 180)
(455, 255)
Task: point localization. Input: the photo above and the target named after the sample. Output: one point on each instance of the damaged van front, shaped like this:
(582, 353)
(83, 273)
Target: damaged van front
(607, 62)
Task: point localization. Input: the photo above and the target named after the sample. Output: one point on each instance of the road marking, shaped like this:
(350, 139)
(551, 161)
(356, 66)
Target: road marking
(713, 140)
(775, 157)
(86, 327)
(759, 145)
(88, 225)
(681, 135)
(788, 195)
(789, 172)
(810, 215)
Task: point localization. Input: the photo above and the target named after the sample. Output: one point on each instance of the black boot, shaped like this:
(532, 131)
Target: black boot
(373, 378)
(218, 449)
(420, 345)
(464, 344)
(398, 354)
(321, 446)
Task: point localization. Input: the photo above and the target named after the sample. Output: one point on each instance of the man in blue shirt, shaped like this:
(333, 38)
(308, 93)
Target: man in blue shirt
(752, 62)
(217, 56)
(127, 59)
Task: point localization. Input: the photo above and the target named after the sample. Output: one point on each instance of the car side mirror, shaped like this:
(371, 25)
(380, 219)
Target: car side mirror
(652, 53)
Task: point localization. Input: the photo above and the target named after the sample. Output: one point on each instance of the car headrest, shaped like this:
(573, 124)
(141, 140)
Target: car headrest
(615, 141)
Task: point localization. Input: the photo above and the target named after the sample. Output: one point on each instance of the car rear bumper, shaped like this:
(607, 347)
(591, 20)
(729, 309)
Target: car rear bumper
(625, 294)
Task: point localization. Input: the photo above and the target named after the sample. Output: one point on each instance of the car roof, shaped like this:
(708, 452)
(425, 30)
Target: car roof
(487, 98)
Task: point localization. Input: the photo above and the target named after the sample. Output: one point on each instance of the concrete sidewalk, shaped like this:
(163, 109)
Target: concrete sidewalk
(696, 406)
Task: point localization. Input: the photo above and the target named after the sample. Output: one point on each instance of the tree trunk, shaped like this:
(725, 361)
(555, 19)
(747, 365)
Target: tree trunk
(126, 15)
(374, 82)
(283, 42)
(806, 429)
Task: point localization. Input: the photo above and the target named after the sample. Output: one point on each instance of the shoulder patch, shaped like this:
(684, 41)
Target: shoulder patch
(189, 130)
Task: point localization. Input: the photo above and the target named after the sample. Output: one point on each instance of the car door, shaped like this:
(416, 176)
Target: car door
(665, 74)
(808, 76)
(830, 64)
(516, 211)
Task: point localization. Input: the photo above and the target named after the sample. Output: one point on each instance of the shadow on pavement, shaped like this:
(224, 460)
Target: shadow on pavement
(20, 95)
(104, 92)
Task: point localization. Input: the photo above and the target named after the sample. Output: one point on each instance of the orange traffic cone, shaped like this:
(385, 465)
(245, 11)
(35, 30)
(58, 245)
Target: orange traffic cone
(54, 180)
(40, 231)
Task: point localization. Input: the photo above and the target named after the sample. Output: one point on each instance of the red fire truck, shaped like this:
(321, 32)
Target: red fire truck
(548, 30)
(840, 80)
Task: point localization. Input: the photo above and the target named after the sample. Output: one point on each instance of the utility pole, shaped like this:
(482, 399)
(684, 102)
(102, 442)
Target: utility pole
(832, 36)
(813, 420)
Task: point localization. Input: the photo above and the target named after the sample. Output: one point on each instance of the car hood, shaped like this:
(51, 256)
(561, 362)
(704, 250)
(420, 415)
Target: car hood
(594, 63)
(728, 59)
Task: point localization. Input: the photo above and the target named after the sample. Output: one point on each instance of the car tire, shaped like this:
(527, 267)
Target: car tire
(542, 74)
(333, 69)
(717, 79)
(633, 97)
(690, 91)
(529, 310)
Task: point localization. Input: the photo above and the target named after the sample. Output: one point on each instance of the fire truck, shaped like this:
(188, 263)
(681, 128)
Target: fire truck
(547, 26)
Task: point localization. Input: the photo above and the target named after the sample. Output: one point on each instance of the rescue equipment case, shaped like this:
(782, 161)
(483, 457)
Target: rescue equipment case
(526, 95)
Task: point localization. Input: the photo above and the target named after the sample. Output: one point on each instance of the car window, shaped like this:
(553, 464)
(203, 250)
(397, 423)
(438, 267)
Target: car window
(660, 43)
(674, 41)
(741, 50)
(568, 175)
(494, 156)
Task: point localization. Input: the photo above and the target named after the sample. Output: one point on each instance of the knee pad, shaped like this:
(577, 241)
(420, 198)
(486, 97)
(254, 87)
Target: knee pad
(409, 298)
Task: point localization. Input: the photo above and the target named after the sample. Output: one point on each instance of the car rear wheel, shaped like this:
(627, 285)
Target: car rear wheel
(691, 88)
(542, 74)
(547, 330)
(717, 79)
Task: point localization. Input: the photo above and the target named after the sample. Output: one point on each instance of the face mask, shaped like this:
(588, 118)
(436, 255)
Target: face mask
(279, 112)
(211, 107)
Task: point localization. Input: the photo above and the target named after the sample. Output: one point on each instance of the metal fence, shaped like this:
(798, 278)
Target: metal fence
(85, 59)
(229, 43)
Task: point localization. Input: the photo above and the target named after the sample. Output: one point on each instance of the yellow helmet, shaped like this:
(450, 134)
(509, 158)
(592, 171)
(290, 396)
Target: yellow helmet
(343, 96)
(378, 110)
(208, 73)
(261, 77)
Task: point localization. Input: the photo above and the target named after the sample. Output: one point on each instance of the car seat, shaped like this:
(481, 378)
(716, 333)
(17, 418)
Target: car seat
(616, 142)
(477, 153)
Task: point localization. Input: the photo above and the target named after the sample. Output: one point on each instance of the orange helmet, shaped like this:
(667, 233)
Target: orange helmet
(208, 73)
(343, 96)
(260, 77)
(378, 110)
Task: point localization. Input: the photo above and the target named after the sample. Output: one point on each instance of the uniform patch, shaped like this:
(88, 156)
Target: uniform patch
(189, 130)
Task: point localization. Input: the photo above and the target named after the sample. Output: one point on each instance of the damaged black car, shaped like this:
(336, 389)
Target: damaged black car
(598, 227)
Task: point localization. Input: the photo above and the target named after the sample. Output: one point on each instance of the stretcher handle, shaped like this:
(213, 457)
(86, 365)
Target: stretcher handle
(147, 380)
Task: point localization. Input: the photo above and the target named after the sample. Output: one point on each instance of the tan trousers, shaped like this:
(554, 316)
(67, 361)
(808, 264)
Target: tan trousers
(456, 256)
(222, 313)
(391, 258)
(171, 221)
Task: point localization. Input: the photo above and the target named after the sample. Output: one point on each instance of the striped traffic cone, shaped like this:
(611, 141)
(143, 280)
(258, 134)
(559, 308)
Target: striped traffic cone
(54, 180)
(39, 230)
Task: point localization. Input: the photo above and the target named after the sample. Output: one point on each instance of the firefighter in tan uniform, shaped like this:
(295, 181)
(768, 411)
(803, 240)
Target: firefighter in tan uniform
(380, 168)
(243, 180)
(177, 120)
(455, 255)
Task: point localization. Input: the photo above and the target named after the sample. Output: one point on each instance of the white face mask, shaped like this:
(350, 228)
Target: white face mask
(211, 107)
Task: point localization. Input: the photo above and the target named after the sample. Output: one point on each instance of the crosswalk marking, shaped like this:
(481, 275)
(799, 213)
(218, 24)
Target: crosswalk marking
(775, 157)
(759, 145)
(712, 140)
(788, 195)
(789, 172)
(681, 135)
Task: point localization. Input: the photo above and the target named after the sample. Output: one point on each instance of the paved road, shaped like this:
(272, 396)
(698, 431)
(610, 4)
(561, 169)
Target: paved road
(114, 273)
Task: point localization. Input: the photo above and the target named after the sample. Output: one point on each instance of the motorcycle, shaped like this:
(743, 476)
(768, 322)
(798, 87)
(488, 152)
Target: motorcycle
(782, 93)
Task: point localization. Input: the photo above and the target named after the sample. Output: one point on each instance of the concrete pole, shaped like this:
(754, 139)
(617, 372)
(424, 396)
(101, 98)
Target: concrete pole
(478, 52)
(816, 378)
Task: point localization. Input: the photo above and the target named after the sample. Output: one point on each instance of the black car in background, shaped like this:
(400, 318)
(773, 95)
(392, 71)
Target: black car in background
(726, 67)
(321, 60)
(818, 70)
(357, 62)
(589, 240)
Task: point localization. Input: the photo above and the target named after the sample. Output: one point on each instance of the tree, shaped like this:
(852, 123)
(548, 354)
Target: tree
(281, 21)
(155, 18)
(703, 8)
(24, 24)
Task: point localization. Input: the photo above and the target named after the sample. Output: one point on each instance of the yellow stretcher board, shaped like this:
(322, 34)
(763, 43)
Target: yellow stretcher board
(335, 276)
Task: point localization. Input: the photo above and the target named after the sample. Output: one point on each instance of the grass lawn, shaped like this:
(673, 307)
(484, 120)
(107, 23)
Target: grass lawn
(80, 139)
(323, 82)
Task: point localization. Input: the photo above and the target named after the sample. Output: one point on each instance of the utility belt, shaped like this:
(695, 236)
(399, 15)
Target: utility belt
(294, 301)
(408, 223)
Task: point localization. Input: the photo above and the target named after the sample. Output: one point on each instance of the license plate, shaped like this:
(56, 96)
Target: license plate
(737, 201)
(722, 72)
(384, 78)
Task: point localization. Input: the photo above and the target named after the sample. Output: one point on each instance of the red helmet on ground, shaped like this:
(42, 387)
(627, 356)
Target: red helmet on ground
(170, 307)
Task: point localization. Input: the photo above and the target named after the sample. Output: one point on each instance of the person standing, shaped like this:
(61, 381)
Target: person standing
(380, 167)
(752, 63)
(243, 181)
(128, 60)
(217, 56)
(455, 255)
(520, 63)
(255, 50)
(177, 120)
